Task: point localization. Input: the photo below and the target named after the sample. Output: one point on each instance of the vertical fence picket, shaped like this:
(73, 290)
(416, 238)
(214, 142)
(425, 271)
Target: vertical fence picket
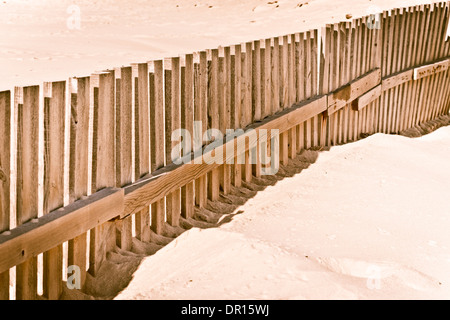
(54, 128)
(124, 145)
(102, 237)
(246, 106)
(256, 98)
(140, 99)
(201, 117)
(78, 164)
(213, 120)
(172, 122)
(187, 123)
(225, 113)
(26, 102)
(236, 70)
(157, 127)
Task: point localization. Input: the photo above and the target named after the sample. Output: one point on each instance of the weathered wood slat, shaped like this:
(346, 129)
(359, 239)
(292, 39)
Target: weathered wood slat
(201, 118)
(397, 79)
(102, 236)
(141, 107)
(26, 101)
(430, 69)
(124, 146)
(54, 128)
(157, 130)
(187, 123)
(5, 173)
(366, 98)
(213, 112)
(173, 122)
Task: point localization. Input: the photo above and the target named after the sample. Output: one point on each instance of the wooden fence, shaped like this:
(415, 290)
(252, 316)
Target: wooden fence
(81, 158)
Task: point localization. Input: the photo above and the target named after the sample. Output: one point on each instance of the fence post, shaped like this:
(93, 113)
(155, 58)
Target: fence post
(102, 237)
(26, 102)
(5, 175)
(173, 122)
(140, 100)
(187, 123)
(157, 128)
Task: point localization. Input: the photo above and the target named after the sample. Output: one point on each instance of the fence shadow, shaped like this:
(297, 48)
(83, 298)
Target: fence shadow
(117, 270)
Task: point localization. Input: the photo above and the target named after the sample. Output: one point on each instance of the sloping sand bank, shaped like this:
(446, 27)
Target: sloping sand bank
(367, 220)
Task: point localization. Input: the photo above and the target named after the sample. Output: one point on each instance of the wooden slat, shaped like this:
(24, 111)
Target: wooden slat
(277, 82)
(102, 237)
(156, 81)
(213, 111)
(257, 96)
(79, 136)
(314, 88)
(54, 128)
(78, 164)
(430, 69)
(267, 78)
(397, 79)
(173, 122)
(236, 168)
(201, 117)
(225, 113)
(350, 92)
(124, 146)
(246, 111)
(347, 78)
(140, 104)
(142, 116)
(256, 89)
(164, 181)
(246, 119)
(284, 73)
(301, 67)
(187, 123)
(426, 54)
(27, 106)
(28, 240)
(5, 174)
(281, 57)
(366, 98)
(123, 126)
(407, 64)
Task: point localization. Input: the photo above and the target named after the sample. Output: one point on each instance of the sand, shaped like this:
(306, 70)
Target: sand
(367, 220)
(40, 39)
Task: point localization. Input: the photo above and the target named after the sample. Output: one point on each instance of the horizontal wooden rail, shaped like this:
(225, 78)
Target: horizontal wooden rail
(385, 84)
(430, 69)
(346, 94)
(42, 234)
(367, 98)
(416, 73)
(397, 79)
